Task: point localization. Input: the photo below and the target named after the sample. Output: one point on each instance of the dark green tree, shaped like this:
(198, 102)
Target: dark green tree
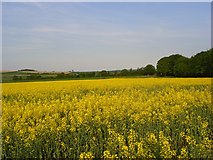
(149, 70)
(124, 72)
(104, 73)
(201, 64)
(182, 67)
(165, 66)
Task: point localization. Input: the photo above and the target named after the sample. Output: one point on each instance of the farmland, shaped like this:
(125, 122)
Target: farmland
(108, 118)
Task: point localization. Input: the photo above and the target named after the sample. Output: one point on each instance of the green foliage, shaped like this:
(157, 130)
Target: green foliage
(181, 67)
(124, 72)
(104, 73)
(177, 65)
(201, 64)
(149, 70)
(165, 65)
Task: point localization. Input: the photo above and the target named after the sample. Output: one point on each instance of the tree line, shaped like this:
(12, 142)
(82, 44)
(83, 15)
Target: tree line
(175, 65)
(199, 65)
(148, 70)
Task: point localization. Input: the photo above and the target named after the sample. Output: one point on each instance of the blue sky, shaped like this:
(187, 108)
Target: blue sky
(101, 36)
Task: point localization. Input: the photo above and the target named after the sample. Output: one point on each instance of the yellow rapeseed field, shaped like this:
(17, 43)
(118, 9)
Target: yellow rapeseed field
(110, 118)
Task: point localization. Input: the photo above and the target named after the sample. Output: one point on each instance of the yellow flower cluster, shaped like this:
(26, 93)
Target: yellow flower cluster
(110, 118)
(107, 155)
(87, 155)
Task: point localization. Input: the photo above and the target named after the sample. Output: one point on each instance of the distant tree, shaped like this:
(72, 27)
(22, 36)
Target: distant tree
(182, 67)
(149, 70)
(27, 70)
(124, 72)
(91, 74)
(201, 64)
(82, 75)
(61, 75)
(97, 74)
(140, 71)
(131, 72)
(165, 66)
(104, 73)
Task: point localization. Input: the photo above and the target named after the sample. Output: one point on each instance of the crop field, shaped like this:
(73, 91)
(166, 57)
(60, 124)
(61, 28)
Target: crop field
(111, 118)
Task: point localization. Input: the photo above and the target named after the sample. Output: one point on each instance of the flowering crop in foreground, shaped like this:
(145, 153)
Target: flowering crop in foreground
(111, 118)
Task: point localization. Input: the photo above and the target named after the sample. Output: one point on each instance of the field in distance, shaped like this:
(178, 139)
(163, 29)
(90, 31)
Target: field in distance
(108, 118)
(31, 75)
(22, 75)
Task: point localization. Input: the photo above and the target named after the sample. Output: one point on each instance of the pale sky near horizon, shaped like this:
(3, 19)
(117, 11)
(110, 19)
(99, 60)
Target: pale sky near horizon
(101, 36)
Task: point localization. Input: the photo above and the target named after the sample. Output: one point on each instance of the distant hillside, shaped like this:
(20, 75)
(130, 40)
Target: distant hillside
(33, 70)
(26, 75)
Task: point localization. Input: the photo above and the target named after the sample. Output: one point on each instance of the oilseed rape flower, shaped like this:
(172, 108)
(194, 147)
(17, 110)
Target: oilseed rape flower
(108, 118)
(184, 153)
(107, 155)
(87, 155)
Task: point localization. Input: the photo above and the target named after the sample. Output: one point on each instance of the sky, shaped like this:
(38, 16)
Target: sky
(100, 36)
